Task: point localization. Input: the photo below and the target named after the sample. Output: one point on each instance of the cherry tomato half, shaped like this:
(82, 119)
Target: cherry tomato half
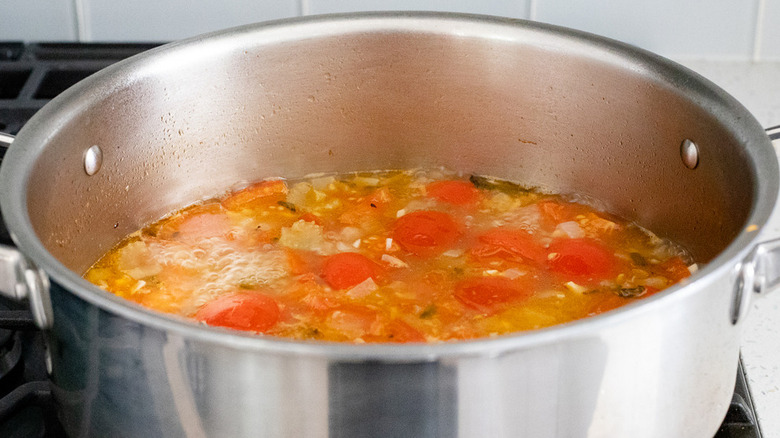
(241, 311)
(263, 192)
(425, 233)
(346, 269)
(581, 259)
(454, 192)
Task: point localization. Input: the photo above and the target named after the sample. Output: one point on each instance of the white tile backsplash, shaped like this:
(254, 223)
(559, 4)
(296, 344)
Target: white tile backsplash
(769, 36)
(155, 20)
(717, 29)
(37, 20)
(507, 8)
(696, 29)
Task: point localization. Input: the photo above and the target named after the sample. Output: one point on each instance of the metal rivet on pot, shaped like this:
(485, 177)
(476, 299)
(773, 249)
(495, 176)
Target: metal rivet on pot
(689, 153)
(93, 159)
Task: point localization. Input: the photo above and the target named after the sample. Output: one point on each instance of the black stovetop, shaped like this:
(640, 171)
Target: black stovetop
(31, 75)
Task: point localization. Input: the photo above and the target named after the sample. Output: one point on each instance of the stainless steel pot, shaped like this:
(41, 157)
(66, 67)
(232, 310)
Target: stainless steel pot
(534, 103)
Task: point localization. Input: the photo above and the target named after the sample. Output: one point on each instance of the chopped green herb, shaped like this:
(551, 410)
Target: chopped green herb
(312, 333)
(287, 205)
(507, 187)
(638, 259)
(428, 312)
(630, 292)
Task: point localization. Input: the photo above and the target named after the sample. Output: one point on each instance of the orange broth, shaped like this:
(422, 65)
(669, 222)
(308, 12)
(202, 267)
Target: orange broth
(392, 256)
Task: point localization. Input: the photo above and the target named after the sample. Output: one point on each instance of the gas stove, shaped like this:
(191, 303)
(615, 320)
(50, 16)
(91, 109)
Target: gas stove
(31, 75)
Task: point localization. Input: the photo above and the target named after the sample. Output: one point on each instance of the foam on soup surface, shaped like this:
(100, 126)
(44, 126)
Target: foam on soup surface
(391, 256)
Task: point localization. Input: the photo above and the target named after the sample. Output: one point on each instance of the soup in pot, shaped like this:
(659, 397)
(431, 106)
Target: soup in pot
(390, 256)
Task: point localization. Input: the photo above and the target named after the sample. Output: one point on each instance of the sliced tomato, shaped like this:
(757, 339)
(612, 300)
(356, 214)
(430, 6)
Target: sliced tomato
(612, 301)
(263, 192)
(298, 263)
(454, 192)
(509, 244)
(249, 311)
(675, 269)
(396, 331)
(362, 216)
(311, 217)
(353, 321)
(194, 223)
(554, 212)
(485, 293)
(605, 304)
(346, 269)
(203, 226)
(581, 259)
(379, 199)
(366, 212)
(425, 233)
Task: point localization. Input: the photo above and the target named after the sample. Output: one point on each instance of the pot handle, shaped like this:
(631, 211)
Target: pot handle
(759, 272)
(6, 140)
(774, 134)
(20, 279)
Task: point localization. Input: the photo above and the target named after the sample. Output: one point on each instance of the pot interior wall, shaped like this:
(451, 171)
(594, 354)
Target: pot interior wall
(190, 121)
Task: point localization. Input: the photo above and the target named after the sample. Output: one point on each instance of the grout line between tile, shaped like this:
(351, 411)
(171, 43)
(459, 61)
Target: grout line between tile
(758, 35)
(82, 30)
(532, 10)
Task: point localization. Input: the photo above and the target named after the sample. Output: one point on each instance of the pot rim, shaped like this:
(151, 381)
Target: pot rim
(29, 144)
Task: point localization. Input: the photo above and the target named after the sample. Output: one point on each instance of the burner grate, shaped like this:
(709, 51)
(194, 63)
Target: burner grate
(32, 74)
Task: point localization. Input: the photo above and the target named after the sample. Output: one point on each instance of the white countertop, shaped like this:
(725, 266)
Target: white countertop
(757, 86)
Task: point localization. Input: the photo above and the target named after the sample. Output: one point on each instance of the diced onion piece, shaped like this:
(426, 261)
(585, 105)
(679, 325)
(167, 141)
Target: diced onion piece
(400, 212)
(602, 225)
(394, 261)
(453, 253)
(351, 233)
(576, 288)
(570, 229)
(136, 260)
(501, 202)
(693, 268)
(145, 271)
(388, 244)
(318, 195)
(513, 273)
(366, 181)
(297, 193)
(302, 235)
(322, 183)
(548, 293)
(363, 288)
(343, 247)
(490, 272)
(655, 282)
(140, 284)
(356, 243)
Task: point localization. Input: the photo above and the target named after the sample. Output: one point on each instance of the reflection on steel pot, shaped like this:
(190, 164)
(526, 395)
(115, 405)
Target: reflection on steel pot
(528, 102)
